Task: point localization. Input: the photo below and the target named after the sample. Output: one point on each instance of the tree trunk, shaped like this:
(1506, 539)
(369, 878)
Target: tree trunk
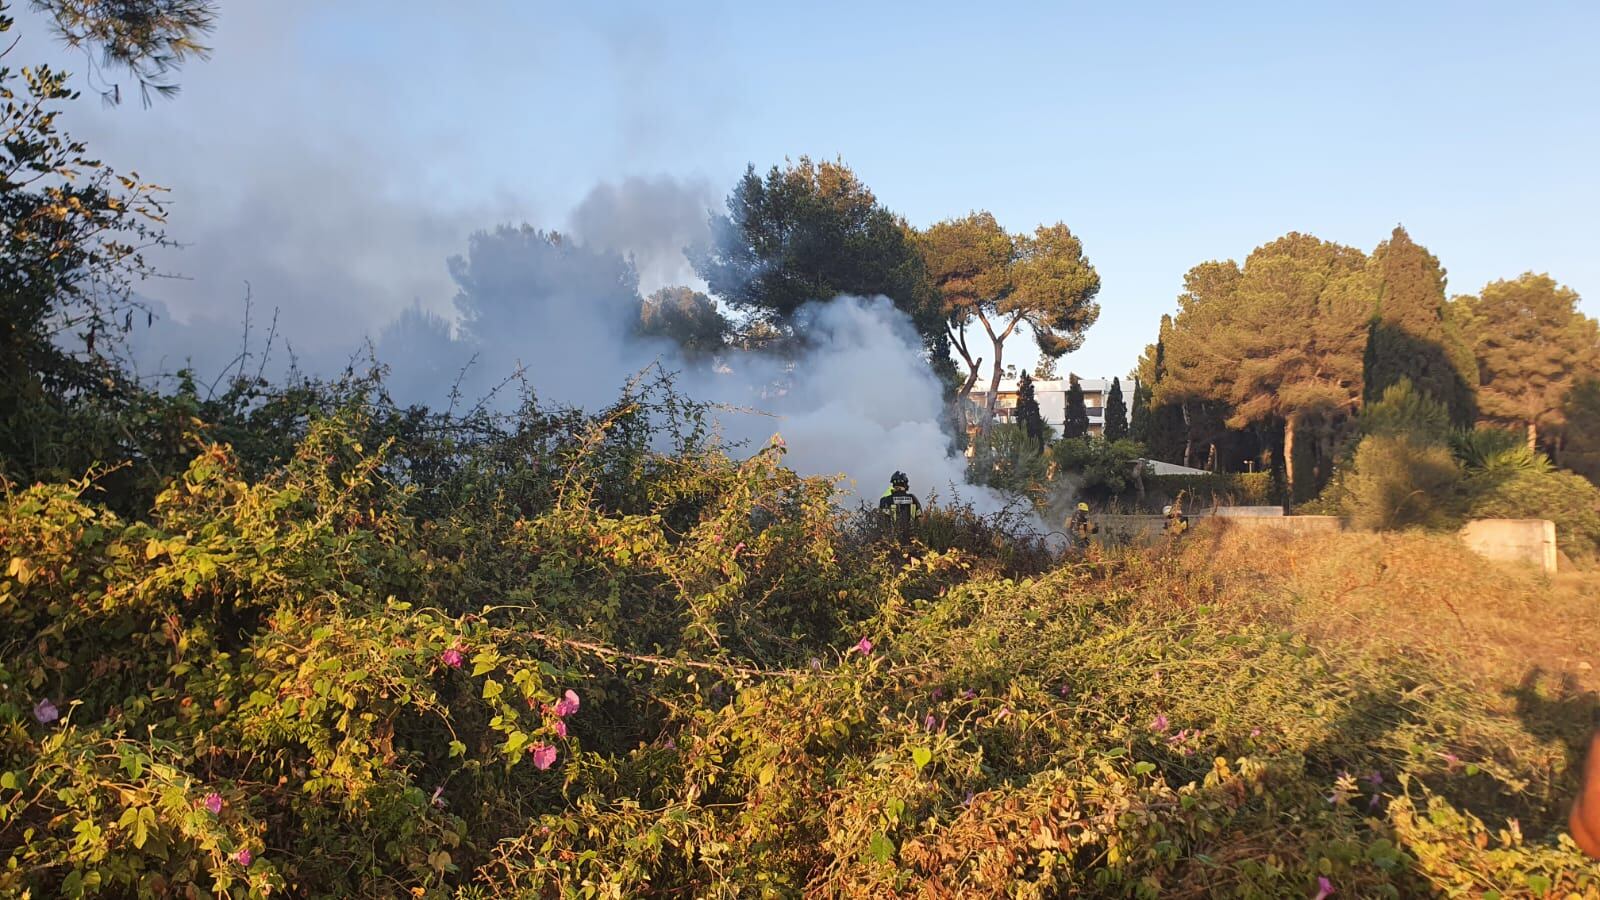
(999, 341)
(961, 419)
(1188, 436)
(1290, 426)
(994, 381)
(1533, 437)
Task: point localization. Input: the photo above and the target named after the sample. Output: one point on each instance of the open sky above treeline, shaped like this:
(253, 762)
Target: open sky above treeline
(334, 155)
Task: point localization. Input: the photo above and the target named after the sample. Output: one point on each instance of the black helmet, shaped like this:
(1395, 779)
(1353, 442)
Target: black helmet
(899, 480)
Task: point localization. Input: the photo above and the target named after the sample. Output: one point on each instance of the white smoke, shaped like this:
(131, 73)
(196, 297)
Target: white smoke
(860, 401)
(558, 315)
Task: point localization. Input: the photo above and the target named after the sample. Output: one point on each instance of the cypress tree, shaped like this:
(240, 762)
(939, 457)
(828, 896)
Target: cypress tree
(1077, 424)
(1028, 414)
(1413, 333)
(1116, 412)
(1139, 420)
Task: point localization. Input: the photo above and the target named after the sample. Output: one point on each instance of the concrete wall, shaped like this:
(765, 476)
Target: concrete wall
(1285, 524)
(1250, 512)
(1149, 529)
(1526, 541)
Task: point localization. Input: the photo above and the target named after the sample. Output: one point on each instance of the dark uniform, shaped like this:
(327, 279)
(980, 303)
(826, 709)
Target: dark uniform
(899, 506)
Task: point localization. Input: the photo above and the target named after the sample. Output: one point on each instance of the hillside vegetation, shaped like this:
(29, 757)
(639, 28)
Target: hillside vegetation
(597, 656)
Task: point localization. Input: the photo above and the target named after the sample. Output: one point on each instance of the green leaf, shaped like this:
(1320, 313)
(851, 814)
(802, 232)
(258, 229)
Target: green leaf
(492, 689)
(11, 781)
(881, 847)
(1144, 768)
(457, 748)
(515, 743)
(921, 756)
(1539, 884)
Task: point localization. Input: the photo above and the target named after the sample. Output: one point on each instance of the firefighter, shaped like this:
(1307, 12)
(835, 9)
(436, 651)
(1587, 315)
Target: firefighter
(899, 506)
(1079, 525)
(1177, 523)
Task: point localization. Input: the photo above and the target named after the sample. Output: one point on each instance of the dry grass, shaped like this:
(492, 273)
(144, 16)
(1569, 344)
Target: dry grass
(1418, 595)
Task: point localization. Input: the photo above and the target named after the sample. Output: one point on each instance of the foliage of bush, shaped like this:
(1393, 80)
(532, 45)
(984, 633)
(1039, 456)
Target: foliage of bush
(1005, 458)
(1217, 489)
(349, 674)
(1568, 500)
(1397, 481)
(1101, 469)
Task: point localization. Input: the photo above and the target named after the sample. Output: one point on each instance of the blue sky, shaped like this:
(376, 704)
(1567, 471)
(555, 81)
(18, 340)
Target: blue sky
(334, 155)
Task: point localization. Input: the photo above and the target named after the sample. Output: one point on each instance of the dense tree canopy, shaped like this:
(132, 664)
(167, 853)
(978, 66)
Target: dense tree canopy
(1413, 333)
(810, 231)
(1279, 340)
(687, 317)
(518, 280)
(1533, 346)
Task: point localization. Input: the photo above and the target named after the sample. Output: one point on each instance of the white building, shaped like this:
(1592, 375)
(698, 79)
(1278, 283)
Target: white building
(1052, 397)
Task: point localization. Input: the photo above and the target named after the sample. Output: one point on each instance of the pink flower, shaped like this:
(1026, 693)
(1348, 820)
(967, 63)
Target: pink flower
(929, 722)
(244, 857)
(452, 658)
(45, 711)
(863, 646)
(213, 802)
(561, 727)
(1324, 888)
(1159, 724)
(544, 756)
(737, 548)
(969, 694)
(567, 705)
(1255, 732)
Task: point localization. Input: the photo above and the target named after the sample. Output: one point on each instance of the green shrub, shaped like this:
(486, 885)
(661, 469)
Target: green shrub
(1006, 459)
(1097, 468)
(1568, 500)
(1397, 481)
(1216, 489)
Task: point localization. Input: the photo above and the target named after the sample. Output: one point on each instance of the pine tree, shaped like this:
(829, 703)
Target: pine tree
(1276, 342)
(1532, 347)
(1414, 333)
(1077, 423)
(1116, 412)
(1028, 414)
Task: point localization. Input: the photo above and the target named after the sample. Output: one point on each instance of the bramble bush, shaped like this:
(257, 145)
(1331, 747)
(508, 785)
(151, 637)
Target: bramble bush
(557, 654)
